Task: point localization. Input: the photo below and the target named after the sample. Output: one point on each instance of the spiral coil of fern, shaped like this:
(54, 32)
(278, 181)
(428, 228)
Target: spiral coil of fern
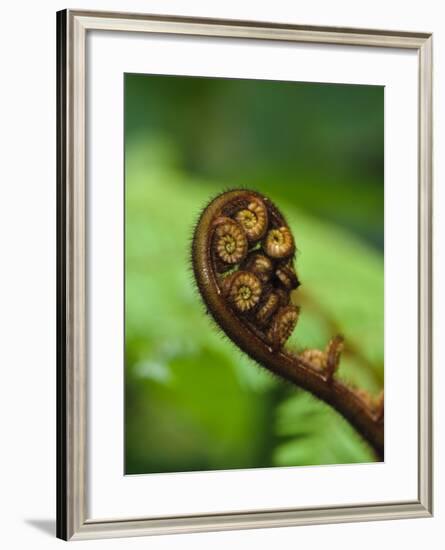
(242, 255)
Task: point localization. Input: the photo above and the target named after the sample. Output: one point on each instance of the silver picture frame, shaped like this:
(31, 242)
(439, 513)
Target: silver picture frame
(72, 29)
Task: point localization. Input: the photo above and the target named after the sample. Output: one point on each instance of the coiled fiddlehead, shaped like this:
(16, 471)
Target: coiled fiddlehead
(243, 255)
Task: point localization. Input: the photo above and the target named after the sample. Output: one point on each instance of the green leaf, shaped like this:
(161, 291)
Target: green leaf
(313, 434)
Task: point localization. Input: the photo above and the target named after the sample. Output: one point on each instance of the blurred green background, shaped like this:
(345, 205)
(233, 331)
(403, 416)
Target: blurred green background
(192, 400)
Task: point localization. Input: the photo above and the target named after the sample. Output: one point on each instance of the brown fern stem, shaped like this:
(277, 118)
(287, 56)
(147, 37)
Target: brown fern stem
(314, 372)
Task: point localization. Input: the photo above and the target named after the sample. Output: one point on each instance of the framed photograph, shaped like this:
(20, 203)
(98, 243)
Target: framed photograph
(244, 274)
